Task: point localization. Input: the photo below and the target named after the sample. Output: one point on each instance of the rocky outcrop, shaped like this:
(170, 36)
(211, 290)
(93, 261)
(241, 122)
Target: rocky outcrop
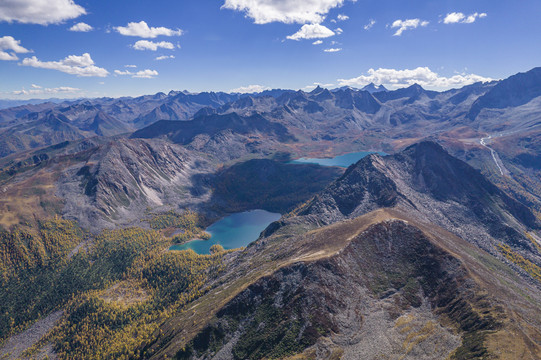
(389, 293)
(119, 180)
(514, 91)
(438, 188)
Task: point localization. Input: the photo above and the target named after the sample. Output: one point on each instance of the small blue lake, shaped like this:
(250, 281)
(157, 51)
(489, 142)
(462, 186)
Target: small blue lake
(233, 231)
(341, 160)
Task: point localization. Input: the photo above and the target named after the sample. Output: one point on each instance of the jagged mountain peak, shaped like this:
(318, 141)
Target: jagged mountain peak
(342, 88)
(436, 186)
(360, 100)
(372, 88)
(54, 119)
(321, 95)
(159, 95)
(316, 90)
(514, 91)
(173, 93)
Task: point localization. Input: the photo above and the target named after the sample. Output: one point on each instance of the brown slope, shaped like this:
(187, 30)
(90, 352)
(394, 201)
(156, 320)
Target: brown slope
(462, 291)
(437, 189)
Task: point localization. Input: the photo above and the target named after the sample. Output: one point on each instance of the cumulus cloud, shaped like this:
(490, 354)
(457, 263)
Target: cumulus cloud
(75, 65)
(81, 27)
(130, 66)
(285, 11)
(41, 12)
(407, 24)
(8, 56)
(165, 57)
(421, 75)
(317, 42)
(141, 29)
(370, 24)
(340, 17)
(39, 90)
(338, 31)
(123, 72)
(331, 50)
(144, 74)
(153, 46)
(458, 17)
(249, 89)
(8, 43)
(312, 31)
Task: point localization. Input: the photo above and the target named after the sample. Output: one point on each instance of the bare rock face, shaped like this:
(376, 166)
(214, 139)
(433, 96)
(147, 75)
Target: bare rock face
(436, 188)
(387, 294)
(514, 91)
(121, 179)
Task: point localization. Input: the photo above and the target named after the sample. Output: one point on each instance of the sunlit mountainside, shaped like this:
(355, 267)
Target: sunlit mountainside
(343, 180)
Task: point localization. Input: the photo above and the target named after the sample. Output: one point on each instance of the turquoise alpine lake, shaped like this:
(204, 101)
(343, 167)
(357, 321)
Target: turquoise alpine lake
(233, 231)
(341, 160)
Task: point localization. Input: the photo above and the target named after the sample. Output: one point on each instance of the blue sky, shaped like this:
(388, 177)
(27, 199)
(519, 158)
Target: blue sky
(256, 44)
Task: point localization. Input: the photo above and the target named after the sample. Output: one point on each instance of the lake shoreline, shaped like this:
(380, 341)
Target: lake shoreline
(344, 160)
(231, 232)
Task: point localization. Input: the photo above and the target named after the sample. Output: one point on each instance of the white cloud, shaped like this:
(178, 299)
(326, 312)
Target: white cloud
(370, 24)
(317, 42)
(8, 56)
(130, 66)
(331, 50)
(250, 89)
(125, 72)
(165, 57)
(14, 46)
(286, 11)
(153, 46)
(453, 18)
(75, 65)
(38, 90)
(421, 75)
(342, 17)
(312, 31)
(9, 43)
(338, 31)
(458, 17)
(316, 84)
(141, 29)
(146, 74)
(407, 24)
(81, 27)
(41, 12)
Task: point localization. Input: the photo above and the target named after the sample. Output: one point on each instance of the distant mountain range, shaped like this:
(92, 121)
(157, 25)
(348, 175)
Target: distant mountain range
(429, 249)
(298, 122)
(373, 108)
(7, 103)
